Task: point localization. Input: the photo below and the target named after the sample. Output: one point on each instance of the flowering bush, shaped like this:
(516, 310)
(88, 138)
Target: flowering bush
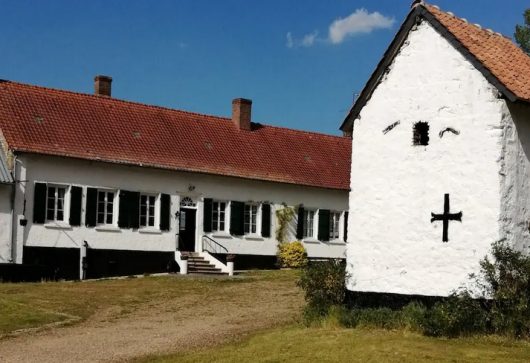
(292, 255)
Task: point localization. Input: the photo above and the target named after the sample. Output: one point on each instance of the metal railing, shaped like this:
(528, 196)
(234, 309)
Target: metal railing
(212, 246)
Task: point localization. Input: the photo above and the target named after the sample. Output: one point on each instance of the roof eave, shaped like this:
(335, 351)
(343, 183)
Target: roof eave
(470, 57)
(394, 48)
(177, 169)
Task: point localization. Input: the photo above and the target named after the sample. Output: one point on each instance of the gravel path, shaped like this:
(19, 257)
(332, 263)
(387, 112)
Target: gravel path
(180, 324)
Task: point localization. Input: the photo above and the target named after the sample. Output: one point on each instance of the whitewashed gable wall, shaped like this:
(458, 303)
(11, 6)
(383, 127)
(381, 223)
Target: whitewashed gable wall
(393, 247)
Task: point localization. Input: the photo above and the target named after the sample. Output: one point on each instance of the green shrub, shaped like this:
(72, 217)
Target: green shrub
(292, 255)
(506, 280)
(458, 315)
(413, 316)
(323, 283)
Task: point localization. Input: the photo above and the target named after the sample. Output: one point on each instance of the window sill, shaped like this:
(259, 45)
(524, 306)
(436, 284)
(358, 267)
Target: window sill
(221, 235)
(150, 231)
(57, 225)
(255, 237)
(311, 240)
(337, 242)
(108, 229)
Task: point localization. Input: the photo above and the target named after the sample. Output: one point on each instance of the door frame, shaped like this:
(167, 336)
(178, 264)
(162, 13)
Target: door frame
(189, 202)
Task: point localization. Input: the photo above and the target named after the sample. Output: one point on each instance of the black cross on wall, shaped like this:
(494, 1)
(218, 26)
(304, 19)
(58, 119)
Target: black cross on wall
(446, 217)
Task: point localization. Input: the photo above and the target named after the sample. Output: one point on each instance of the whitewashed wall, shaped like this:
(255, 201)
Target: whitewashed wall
(34, 168)
(5, 223)
(393, 247)
(515, 176)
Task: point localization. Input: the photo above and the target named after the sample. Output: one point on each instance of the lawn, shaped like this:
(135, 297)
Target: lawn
(299, 344)
(251, 318)
(33, 305)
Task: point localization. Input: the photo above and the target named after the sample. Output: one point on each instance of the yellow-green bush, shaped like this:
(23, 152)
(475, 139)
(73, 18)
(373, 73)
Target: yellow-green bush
(292, 255)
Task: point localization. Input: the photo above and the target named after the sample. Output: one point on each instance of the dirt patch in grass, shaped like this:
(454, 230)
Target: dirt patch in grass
(123, 319)
(298, 344)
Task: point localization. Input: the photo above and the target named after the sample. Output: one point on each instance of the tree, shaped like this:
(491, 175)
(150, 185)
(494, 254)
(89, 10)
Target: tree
(522, 33)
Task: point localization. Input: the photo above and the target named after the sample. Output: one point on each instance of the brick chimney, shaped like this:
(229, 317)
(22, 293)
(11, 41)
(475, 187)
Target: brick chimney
(102, 85)
(241, 113)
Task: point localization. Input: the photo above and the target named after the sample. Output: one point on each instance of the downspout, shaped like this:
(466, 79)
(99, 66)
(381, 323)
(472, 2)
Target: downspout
(13, 215)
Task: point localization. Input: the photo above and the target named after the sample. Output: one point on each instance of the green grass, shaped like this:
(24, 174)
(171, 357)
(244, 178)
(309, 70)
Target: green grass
(299, 344)
(33, 305)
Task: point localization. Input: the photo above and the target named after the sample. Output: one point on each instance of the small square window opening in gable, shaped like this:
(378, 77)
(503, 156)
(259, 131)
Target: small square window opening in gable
(420, 136)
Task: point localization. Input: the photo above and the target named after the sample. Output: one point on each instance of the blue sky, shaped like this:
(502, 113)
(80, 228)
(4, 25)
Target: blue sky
(198, 55)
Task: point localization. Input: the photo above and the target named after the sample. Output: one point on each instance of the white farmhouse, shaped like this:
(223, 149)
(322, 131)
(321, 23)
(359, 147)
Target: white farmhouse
(440, 157)
(109, 187)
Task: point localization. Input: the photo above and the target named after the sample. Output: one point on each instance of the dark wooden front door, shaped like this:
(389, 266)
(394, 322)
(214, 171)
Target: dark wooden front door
(187, 229)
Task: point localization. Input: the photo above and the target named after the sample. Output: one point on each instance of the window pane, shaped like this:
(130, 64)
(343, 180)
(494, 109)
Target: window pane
(101, 218)
(109, 208)
(109, 218)
(101, 196)
(49, 214)
(60, 204)
(152, 200)
(151, 221)
(143, 199)
(143, 209)
(60, 215)
(142, 221)
(215, 226)
(110, 197)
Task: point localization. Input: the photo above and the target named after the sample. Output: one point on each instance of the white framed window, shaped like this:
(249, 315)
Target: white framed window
(334, 225)
(56, 203)
(250, 222)
(106, 207)
(218, 216)
(309, 223)
(148, 210)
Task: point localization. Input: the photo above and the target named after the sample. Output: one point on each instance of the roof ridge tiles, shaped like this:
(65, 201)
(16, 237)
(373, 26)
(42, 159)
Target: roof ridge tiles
(163, 108)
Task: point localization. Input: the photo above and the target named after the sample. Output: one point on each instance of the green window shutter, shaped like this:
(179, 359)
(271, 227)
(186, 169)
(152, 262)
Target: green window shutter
(345, 226)
(237, 215)
(123, 210)
(207, 217)
(165, 212)
(76, 198)
(91, 207)
(39, 203)
(134, 210)
(265, 220)
(300, 225)
(323, 225)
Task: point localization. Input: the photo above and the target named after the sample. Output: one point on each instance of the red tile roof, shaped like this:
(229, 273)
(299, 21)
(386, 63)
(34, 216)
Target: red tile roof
(55, 122)
(505, 60)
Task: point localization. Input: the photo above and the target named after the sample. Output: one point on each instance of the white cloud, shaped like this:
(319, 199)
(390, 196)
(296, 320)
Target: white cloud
(306, 41)
(309, 39)
(358, 22)
(290, 42)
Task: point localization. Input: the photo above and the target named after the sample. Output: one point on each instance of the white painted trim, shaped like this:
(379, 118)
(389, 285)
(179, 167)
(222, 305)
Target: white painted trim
(57, 225)
(214, 261)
